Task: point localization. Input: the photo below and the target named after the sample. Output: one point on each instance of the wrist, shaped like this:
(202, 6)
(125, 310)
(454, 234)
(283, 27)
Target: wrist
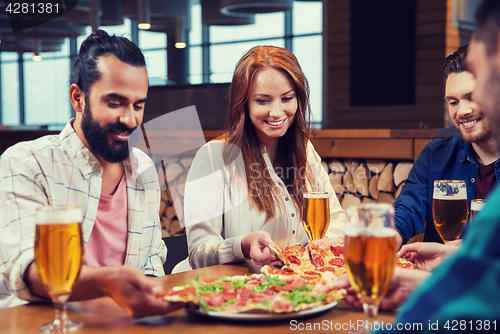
(92, 283)
(245, 246)
(104, 278)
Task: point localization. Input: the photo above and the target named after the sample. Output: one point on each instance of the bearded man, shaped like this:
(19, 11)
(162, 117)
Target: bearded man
(89, 164)
(469, 156)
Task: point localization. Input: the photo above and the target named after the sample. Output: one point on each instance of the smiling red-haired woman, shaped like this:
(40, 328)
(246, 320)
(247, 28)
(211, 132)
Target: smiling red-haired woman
(245, 189)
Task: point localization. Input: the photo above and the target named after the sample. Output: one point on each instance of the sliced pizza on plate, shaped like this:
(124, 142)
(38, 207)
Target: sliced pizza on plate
(256, 293)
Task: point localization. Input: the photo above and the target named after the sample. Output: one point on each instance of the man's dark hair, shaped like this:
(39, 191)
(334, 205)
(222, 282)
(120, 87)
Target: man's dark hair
(488, 25)
(455, 62)
(99, 43)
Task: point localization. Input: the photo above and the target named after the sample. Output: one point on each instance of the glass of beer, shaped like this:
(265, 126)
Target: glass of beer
(58, 259)
(449, 208)
(370, 255)
(316, 214)
(476, 205)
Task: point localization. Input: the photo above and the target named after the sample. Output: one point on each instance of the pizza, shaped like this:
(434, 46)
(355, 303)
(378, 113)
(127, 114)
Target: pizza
(256, 293)
(404, 263)
(295, 257)
(311, 262)
(329, 259)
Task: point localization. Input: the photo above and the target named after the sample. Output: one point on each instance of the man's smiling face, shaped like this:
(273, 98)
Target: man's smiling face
(463, 110)
(114, 108)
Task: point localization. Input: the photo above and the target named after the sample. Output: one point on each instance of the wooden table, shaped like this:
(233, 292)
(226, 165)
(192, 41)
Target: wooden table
(103, 315)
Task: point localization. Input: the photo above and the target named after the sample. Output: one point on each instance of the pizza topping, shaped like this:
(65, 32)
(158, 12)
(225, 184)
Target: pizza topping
(318, 261)
(216, 299)
(337, 250)
(293, 259)
(404, 263)
(337, 261)
(269, 282)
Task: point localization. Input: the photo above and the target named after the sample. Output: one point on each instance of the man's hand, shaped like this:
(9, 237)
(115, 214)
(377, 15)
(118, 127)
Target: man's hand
(255, 244)
(403, 283)
(427, 255)
(134, 292)
(127, 285)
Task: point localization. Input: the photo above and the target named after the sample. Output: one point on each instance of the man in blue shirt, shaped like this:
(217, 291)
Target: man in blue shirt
(463, 293)
(470, 156)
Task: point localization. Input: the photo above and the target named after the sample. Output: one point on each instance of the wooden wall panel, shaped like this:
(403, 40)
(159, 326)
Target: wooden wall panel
(434, 35)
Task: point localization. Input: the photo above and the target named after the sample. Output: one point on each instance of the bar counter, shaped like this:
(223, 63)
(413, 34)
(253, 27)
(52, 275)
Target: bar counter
(103, 315)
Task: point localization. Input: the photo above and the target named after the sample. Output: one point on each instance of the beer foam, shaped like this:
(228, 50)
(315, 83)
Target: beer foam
(476, 206)
(58, 215)
(376, 232)
(455, 197)
(449, 190)
(319, 194)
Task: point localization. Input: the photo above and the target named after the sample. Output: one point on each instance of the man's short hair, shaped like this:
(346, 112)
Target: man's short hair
(99, 43)
(488, 25)
(455, 62)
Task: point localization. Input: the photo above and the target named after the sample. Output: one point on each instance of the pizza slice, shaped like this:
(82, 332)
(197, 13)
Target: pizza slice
(330, 259)
(295, 258)
(404, 263)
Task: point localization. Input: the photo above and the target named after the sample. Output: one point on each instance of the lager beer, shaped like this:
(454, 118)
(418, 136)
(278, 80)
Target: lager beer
(58, 259)
(370, 254)
(58, 255)
(449, 208)
(316, 214)
(370, 258)
(476, 205)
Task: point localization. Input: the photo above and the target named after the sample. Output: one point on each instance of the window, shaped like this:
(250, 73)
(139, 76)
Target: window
(10, 88)
(46, 91)
(213, 53)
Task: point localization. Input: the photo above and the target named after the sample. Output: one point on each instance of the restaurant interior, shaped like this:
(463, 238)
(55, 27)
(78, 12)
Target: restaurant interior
(374, 68)
(374, 71)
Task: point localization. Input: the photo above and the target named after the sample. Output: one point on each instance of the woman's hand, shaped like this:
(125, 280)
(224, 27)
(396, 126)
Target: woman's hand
(327, 242)
(255, 244)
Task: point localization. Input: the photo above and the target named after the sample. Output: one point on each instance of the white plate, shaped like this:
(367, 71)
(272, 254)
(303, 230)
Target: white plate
(264, 316)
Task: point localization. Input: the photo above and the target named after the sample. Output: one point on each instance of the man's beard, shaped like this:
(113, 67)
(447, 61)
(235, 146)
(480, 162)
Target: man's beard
(98, 139)
(483, 136)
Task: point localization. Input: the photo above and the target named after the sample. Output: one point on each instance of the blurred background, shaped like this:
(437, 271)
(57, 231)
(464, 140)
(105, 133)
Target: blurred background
(370, 64)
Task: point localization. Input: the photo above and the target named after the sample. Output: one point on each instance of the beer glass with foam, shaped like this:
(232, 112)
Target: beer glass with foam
(58, 259)
(316, 214)
(449, 208)
(370, 255)
(476, 205)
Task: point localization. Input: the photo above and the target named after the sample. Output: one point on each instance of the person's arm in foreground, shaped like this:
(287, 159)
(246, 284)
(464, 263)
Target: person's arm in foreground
(427, 255)
(402, 285)
(127, 285)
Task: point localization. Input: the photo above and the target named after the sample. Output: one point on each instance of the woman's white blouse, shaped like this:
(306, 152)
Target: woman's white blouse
(218, 212)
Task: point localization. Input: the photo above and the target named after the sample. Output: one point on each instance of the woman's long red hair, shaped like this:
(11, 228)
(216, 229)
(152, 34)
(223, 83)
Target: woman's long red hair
(291, 157)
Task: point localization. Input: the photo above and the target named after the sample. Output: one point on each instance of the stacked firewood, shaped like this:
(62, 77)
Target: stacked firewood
(366, 181)
(354, 182)
(174, 170)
